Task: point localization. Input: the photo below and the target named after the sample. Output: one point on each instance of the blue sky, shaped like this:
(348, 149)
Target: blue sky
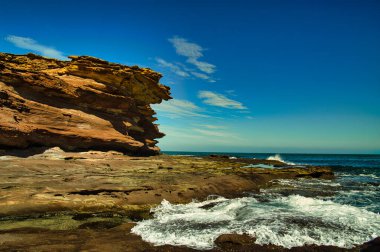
(246, 76)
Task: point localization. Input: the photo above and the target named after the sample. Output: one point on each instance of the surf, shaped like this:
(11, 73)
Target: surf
(287, 221)
(278, 157)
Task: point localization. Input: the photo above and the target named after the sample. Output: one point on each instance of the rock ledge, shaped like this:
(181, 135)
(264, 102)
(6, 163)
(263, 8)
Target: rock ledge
(82, 104)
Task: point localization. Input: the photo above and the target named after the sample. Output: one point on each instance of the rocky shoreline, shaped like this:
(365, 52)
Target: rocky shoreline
(54, 199)
(89, 201)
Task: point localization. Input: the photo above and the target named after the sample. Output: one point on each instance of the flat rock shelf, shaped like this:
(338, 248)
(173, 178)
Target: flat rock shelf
(91, 200)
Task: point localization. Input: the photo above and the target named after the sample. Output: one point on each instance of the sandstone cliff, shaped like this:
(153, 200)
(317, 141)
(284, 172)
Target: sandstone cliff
(85, 103)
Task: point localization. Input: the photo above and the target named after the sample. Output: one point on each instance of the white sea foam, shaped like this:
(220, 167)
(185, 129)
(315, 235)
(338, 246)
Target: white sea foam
(306, 183)
(369, 175)
(285, 221)
(277, 157)
(259, 166)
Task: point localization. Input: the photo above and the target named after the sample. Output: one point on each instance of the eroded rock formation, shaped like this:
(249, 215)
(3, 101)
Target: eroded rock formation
(85, 103)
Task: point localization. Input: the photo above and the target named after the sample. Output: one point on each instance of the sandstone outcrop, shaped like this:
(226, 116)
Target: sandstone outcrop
(84, 103)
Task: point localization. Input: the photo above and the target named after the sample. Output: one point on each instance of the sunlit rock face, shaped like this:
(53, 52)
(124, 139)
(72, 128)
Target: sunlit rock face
(83, 103)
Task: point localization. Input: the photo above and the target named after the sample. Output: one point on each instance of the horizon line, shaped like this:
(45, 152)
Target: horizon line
(292, 153)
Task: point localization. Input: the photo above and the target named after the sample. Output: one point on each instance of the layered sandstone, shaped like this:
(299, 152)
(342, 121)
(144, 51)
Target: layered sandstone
(84, 103)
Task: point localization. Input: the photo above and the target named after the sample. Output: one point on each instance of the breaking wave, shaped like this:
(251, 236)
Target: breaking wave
(287, 221)
(277, 157)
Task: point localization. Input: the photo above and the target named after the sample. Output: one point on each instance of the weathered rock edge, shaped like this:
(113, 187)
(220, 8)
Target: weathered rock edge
(81, 104)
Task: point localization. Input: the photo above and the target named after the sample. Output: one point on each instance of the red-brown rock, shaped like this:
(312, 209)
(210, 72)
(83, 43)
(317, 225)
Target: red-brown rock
(85, 103)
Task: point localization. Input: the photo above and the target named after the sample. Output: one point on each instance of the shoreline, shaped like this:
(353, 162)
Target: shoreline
(100, 194)
(60, 181)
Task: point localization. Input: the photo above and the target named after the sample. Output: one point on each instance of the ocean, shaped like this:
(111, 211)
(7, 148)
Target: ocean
(343, 212)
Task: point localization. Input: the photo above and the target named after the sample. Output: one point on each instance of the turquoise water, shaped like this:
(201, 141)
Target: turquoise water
(342, 212)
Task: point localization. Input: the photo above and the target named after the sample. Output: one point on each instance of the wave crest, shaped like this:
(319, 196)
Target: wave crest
(277, 157)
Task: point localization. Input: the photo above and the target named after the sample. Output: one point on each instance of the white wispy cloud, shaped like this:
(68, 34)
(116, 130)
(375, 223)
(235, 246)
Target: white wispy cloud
(193, 52)
(203, 76)
(172, 67)
(182, 70)
(231, 92)
(202, 65)
(31, 44)
(210, 126)
(215, 132)
(179, 133)
(219, 100)
(176, 108)
(185, 48)
(212, 132)
(197, 137)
